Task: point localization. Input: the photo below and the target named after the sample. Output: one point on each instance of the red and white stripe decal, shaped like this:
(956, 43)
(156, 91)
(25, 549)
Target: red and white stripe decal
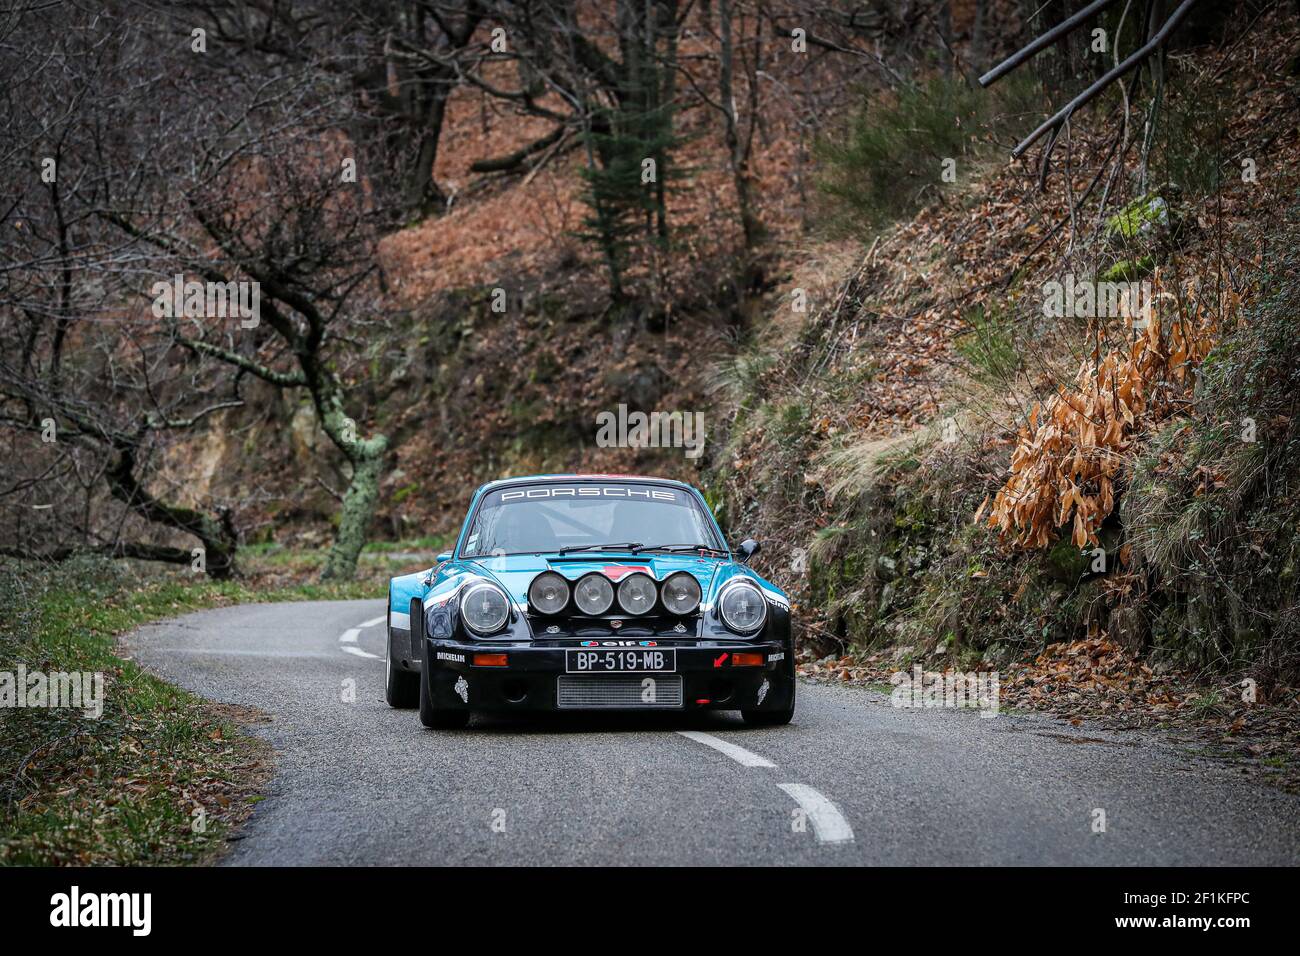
(616, 572)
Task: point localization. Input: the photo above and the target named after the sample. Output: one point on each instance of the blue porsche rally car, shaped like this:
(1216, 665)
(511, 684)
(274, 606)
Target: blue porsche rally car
(589, 592)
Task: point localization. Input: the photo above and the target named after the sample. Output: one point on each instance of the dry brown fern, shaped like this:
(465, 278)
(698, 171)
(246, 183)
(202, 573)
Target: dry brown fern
(1067, 460)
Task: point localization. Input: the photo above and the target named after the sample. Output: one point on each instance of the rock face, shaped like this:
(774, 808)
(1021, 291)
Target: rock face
(305, 432)
(198, 468)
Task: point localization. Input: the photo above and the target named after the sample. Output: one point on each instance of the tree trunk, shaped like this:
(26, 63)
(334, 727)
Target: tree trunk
(359, 503)
(977, 52)
(367, 459)
(737, 150)
(423, 197)
(220, 548)
(945, 38)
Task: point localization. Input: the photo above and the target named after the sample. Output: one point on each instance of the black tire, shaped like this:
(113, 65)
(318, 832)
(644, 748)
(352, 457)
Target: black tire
(401, 688)
(438, 718)
(771, 718)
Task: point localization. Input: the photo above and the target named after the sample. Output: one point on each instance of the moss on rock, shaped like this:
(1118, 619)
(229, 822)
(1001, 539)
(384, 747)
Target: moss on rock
(1129, 270)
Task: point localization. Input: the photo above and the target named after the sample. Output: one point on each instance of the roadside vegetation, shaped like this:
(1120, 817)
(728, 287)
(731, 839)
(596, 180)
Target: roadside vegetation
(901, 150)
(161, 777)
(1102, 509)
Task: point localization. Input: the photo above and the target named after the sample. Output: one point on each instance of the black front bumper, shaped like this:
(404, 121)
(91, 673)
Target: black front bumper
(536, 678)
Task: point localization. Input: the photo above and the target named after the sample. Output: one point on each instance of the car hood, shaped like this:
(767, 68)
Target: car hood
(515, 572)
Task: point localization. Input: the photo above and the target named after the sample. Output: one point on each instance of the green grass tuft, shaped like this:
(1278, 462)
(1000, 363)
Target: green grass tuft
(121, 789)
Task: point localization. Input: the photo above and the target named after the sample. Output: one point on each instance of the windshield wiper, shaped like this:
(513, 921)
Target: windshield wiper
(676, 548)
(620, 546)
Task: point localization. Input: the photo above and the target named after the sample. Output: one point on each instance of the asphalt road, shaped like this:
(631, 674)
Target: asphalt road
(852, 780)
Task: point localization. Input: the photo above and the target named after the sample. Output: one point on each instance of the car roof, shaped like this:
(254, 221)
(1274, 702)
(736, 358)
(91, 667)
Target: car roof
(524, 479)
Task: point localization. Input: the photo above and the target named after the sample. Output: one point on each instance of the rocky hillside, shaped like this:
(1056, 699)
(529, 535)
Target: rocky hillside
(958, 472)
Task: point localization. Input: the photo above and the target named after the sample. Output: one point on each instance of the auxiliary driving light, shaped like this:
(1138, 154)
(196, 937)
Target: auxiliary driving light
(549, 593)
(593, 594)
(637, 594)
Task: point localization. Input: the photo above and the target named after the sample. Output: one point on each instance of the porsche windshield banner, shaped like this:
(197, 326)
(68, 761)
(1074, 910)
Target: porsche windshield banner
(590, 491)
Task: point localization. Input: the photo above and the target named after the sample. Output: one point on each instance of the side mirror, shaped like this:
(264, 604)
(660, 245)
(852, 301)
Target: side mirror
(748, 548)
(445, 556)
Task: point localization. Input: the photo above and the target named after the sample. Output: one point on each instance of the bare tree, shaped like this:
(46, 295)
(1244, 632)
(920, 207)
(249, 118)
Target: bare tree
(739, 144)
(89, 398)
(394, 64)
(266, 206)
(265, 198)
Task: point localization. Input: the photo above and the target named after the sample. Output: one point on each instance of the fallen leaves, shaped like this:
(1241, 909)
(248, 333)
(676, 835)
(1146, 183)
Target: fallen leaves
(1095, 675)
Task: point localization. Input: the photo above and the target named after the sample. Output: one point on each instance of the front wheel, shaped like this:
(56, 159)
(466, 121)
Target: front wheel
(401, 688)
(437, 718)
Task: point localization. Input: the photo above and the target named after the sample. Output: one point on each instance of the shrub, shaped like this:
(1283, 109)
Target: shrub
(990, 346)
(887, 162)
(1070, 454)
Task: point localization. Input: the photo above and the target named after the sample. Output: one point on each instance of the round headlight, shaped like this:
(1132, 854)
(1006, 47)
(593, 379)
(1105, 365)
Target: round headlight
(593, 594)
(743, 608)
(637, 594)
(681, 593)
(484, 608)
(548, 593)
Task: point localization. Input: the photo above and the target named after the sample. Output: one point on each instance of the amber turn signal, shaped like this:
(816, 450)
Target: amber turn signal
(743, 659)
(489, 660)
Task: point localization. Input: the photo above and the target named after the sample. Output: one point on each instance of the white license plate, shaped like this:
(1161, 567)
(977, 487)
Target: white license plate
(623, 661)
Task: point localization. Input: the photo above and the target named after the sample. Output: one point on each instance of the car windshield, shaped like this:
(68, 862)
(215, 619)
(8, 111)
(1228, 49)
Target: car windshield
(530, 519)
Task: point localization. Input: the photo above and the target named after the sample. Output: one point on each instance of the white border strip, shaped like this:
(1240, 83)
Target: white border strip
(828, 823)
(742, 756)
(348, 639)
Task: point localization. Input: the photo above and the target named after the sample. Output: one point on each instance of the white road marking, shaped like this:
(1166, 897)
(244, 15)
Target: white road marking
(828, 823)
(745, 758)
(349, 638)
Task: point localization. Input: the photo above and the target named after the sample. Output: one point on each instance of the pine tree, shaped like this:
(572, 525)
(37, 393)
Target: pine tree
(629, 150)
